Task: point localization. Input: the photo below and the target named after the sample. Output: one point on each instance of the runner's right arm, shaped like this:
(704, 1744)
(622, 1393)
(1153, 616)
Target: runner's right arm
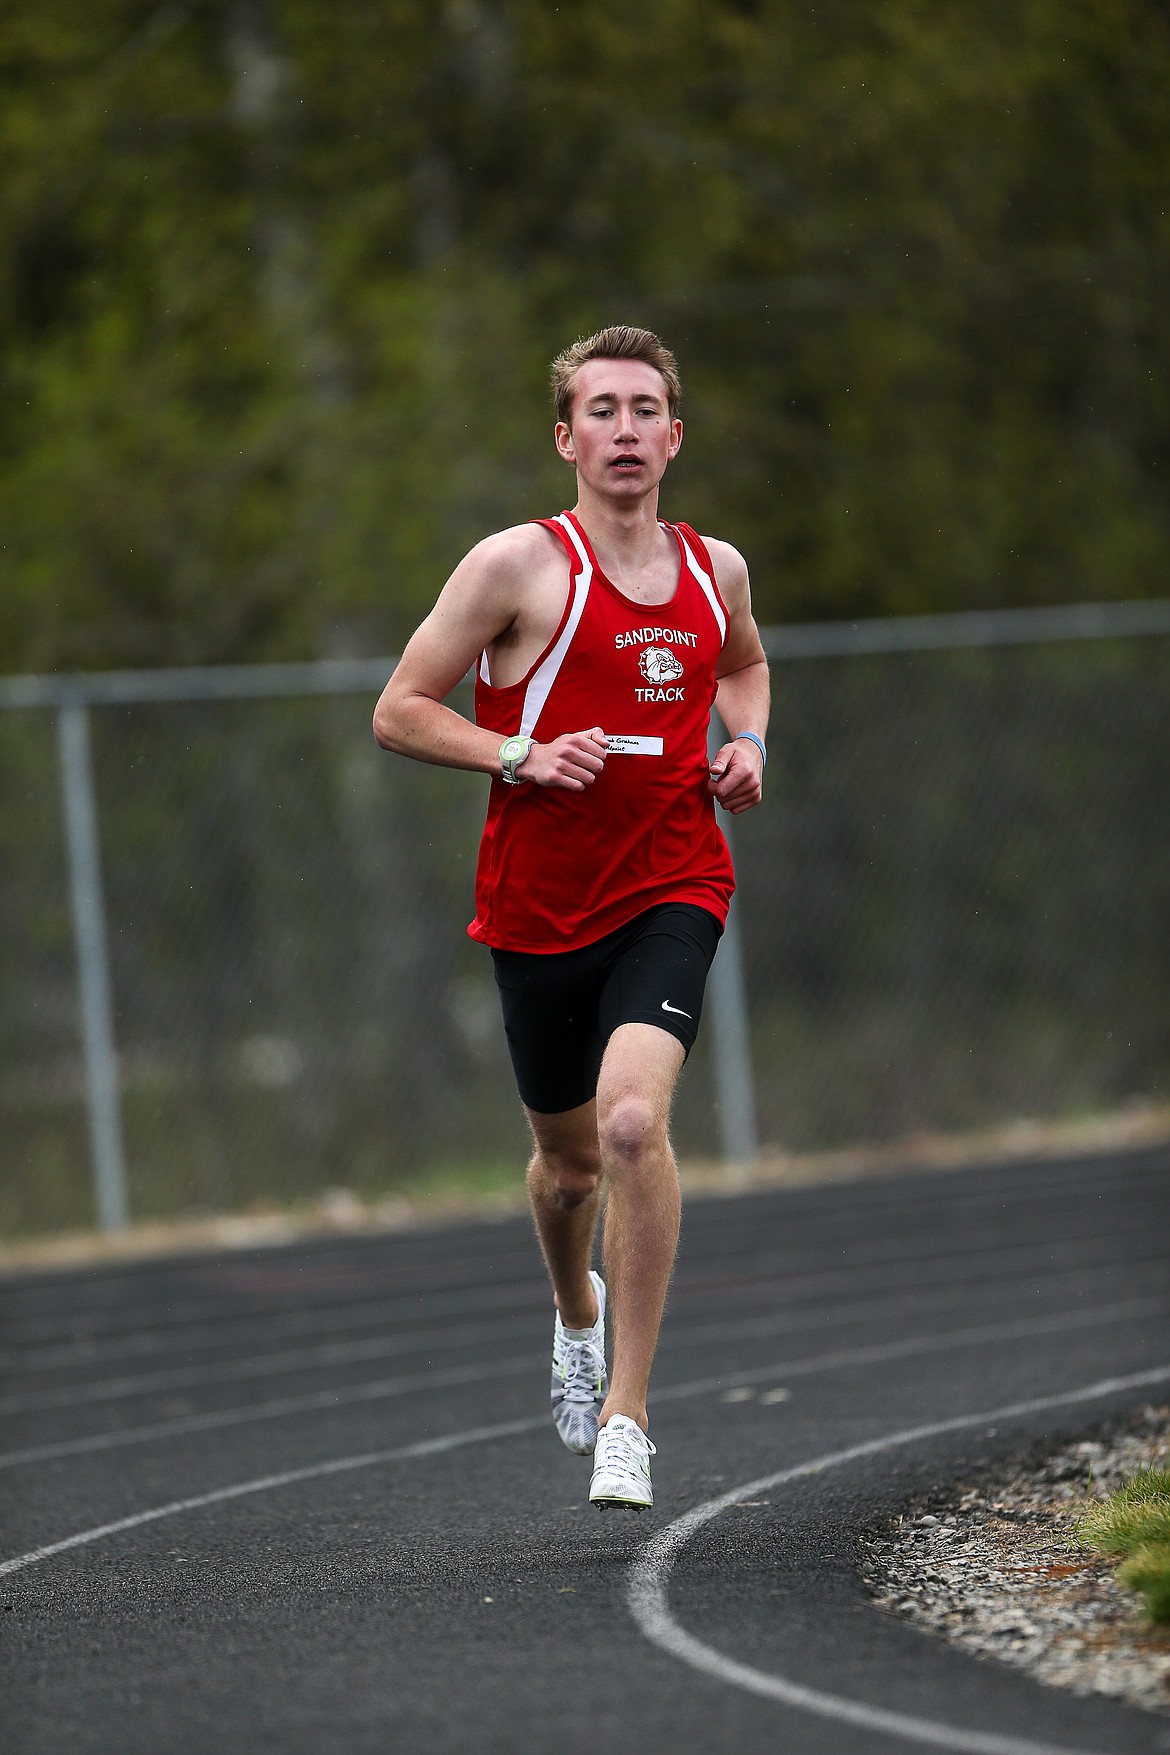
(478, 603)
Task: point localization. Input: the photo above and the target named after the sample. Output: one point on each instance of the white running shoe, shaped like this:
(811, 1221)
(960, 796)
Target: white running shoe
(621, 1466)
(579, 1377)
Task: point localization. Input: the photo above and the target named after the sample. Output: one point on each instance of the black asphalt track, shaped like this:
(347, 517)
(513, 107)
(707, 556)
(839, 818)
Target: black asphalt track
(463, 1595)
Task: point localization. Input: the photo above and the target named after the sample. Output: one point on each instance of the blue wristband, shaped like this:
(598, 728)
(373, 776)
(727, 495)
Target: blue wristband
(751, 736)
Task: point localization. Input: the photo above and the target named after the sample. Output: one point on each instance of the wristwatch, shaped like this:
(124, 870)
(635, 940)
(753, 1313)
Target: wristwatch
(513, 750)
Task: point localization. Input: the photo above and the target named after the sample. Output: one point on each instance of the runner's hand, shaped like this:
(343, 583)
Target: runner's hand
(737, 776)
(573, 761)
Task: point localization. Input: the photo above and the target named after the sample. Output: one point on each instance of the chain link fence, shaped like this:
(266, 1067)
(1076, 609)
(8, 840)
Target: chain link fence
(235, 969)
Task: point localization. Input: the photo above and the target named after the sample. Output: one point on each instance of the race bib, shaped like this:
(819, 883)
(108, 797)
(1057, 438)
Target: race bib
(634, 746)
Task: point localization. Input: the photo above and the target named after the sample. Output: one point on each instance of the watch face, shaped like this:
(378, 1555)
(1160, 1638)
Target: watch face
(514, 748)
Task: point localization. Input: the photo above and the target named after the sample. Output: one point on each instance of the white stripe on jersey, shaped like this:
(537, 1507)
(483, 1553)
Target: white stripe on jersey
(709, 590)
(545, 675)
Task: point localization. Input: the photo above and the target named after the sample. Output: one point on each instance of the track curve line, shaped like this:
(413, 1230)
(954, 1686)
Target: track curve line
(268, 1483)
(328, 1400)
(650, 1577)
(536, 1422)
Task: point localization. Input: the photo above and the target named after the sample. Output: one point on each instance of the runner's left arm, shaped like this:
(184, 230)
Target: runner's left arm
(742, 689)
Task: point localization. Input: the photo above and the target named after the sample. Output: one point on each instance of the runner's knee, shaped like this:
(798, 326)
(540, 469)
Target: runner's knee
(570, 1178)
(630, 1131)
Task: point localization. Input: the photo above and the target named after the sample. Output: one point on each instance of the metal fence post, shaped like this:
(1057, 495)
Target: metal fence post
(735, 1089)
(93, 969)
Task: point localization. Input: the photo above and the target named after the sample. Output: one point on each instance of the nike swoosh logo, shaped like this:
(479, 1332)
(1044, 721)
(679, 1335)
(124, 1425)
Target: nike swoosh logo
(667, 1007)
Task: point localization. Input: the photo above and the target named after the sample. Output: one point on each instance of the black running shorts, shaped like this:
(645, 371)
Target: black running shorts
(562, 1007)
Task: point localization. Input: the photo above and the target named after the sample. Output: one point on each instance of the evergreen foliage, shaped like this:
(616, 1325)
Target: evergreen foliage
(281, 281)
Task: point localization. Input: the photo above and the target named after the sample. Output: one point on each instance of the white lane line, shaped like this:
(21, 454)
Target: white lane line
(1059, 1323)
(348, 1352)
(680, 1338)
(477, 1435)
(414, 1304)
(383, 1389)
(44, 1355)
(322, 1401)
(267, 1483)
(355, 1352)
(650, 1576)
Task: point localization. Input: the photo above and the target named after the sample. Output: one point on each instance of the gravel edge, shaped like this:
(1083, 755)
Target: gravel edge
(991, 1564)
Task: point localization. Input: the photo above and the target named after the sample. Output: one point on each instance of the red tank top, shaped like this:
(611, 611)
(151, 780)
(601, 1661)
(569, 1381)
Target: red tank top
(560, 869)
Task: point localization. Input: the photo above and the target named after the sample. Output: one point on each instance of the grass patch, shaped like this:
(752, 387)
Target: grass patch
(1133, 1526)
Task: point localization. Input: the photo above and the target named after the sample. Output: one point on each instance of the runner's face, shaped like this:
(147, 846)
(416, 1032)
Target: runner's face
(622, 436)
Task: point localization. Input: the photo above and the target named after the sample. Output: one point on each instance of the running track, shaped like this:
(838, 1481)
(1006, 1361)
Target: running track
(310, 1499)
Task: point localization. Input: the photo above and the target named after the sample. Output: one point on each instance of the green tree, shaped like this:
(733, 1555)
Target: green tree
(282, 281)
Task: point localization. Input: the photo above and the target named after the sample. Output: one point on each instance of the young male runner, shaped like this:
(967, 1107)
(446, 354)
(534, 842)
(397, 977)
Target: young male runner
(600, 640)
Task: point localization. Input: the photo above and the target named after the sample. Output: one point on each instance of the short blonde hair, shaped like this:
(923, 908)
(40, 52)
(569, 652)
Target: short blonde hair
(619, 342)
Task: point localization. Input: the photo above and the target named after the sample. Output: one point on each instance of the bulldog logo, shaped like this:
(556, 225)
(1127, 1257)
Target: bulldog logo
(658, 665)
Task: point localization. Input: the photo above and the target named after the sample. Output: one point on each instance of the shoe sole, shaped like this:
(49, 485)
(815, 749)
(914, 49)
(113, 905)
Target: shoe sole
(610, 1502)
